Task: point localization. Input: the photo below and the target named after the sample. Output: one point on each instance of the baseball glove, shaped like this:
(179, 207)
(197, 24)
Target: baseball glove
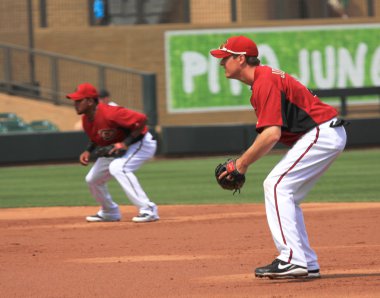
(234, 180)
(104, 151)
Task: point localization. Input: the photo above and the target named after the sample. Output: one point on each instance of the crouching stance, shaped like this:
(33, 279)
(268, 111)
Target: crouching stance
(289, 113)
(122, 143)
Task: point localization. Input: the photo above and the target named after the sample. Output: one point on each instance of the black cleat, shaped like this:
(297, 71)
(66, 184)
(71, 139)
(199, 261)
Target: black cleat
(313, 274)
(281, 269)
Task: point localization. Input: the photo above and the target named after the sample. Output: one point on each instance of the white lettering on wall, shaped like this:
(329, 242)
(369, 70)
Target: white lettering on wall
(213, 75)
(324, 73)
(303, 61)
(333, 68)
(349, 69)
(375, 67)
(236, 87)
(267, 54)
(194, 64)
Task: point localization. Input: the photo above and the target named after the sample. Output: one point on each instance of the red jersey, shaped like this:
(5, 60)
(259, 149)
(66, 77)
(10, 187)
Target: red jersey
(112, 124)
(281, 100)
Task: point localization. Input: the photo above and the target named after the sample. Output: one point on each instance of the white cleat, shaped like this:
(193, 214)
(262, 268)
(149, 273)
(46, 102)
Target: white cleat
(145, 217)
(98, 218)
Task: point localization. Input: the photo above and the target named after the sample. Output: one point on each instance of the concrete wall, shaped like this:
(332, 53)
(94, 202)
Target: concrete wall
(41, 147)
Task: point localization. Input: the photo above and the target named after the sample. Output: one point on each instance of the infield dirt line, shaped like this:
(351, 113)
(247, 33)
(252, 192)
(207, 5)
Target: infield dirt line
(348, 246)
(249, 277)
(147, 258)
(127, 222)
(74, 212)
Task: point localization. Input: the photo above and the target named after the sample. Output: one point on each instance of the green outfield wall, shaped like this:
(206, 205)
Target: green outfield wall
(24, 148)
(321, 57)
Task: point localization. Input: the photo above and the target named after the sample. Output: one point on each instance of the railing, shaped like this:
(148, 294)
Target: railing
(49, 77)
(345, 92)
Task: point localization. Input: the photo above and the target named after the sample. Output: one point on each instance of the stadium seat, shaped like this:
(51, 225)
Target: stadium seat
(8, 116)
(3, 129)
(16, 126)
(11, 123)
(43, 125)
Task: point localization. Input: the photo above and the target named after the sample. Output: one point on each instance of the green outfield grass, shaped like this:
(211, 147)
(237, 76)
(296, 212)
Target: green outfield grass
(354, 177)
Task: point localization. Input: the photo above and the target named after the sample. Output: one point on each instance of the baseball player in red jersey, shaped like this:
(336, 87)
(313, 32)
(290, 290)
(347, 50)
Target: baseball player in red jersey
(126, 130)
(289, 113)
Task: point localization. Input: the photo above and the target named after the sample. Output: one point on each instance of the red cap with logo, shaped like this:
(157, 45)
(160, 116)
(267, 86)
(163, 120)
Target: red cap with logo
(236, 45)
(85, 90)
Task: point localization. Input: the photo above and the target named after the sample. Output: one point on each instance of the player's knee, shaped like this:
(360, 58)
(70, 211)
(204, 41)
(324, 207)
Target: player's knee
(269, 184)
(90, 179)
(116, 167)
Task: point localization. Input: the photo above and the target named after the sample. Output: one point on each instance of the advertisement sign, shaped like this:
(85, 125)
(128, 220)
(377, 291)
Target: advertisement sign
(321, 57)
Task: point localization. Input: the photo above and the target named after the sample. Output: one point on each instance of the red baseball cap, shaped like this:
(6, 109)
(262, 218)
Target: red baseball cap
(236, 45)
(85, 90)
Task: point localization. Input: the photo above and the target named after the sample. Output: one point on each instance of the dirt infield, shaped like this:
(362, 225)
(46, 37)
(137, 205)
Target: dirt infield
(193, 251)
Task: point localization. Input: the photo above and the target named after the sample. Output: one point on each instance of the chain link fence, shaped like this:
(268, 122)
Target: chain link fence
(14, 22)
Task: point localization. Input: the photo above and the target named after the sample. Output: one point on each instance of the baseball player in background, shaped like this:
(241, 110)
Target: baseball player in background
(104, 97)
(289, 113)
(129, 144)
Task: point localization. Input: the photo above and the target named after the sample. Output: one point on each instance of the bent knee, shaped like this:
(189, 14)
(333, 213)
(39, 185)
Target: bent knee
(117, 167)
(269, 184)
(90, 179)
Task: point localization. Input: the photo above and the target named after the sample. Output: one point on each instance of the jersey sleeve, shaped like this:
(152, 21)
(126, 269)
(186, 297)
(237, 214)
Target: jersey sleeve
(128, 119)
(268, 105)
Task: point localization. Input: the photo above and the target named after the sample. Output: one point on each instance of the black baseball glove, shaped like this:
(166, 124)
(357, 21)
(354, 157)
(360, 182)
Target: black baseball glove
(234, 180)
(108, 151)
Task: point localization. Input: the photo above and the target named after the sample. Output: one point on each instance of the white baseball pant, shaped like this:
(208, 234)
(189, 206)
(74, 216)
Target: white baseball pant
(289, 183)
(122, 169)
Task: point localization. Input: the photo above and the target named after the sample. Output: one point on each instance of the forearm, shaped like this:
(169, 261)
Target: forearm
(263, 143)
(135, 134)
(91, 147)
(133, 137)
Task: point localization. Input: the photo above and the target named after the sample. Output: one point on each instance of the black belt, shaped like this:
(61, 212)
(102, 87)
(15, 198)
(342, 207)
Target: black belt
(339, 122)
(136, 139)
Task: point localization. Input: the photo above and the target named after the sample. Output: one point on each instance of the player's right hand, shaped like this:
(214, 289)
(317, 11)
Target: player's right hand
(84, 158)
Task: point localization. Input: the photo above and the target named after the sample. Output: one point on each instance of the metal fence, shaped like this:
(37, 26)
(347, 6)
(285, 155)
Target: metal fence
(49, 77)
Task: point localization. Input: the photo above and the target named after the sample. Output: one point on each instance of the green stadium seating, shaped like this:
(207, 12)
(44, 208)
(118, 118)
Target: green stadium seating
(43, 125)
(16, 126)
(3, 129)
(11, 123)
(8, 116)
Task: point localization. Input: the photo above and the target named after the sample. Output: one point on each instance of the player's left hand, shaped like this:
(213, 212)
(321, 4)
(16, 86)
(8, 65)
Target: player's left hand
(114, 150)
(118, 149)
(228, 177)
